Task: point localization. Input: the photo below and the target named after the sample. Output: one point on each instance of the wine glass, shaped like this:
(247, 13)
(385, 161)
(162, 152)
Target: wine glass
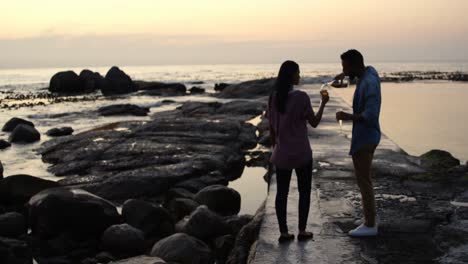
(340, 121)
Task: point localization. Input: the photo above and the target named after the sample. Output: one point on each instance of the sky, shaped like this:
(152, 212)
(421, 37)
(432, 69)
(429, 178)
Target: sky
(54, 33)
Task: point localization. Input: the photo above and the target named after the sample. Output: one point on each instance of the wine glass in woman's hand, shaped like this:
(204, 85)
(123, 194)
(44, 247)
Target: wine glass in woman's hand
(325, 96)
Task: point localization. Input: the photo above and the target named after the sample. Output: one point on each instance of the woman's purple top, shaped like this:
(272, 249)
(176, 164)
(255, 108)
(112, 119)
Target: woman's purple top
(292, 149)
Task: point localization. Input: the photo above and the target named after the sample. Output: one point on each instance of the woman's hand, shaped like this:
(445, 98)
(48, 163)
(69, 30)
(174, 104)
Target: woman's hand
(325, 96)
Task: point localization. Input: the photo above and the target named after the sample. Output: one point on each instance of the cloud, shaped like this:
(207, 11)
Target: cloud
(53, 50)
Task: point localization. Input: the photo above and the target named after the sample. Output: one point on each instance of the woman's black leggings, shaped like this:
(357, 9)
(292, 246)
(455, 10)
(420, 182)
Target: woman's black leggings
(304, 182)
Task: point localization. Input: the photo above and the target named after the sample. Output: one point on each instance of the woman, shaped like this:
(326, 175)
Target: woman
(288, 112)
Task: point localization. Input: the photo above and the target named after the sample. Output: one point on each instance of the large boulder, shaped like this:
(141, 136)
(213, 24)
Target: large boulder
(162, 89)
(220, 86)
(72, 211)
(249, 89)
(4, 144)
(12, 123)
(438, 160)
(91, 81)
(183, 249)
(67, 82)
(14, 251)
(221, 199)
(140, 260)
(12, 225)
(18, 189)
(153, 220)
(123, 109)
(24, 134)
(117, 82)
(60, 131)
(123, 240)
(203, 224)
(181, 207)
(196, 90)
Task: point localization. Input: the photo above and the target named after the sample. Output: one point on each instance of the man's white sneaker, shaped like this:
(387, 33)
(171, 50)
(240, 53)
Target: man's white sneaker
(364, 231)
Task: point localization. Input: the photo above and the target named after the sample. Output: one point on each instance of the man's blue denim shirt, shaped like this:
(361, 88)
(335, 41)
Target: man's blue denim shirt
(366, 101)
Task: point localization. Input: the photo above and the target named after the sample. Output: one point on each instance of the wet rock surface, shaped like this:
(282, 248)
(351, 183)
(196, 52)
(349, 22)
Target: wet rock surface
(60, 131)
(162, 89)
(196, 145)
(123, 109)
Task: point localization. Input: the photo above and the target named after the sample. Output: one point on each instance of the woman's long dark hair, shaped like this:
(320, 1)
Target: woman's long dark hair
(284, 83)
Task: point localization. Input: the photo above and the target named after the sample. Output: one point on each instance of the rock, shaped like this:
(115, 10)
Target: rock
(18, 189)
(123, 109)
(182, 248)
(91, 81)
(180, 150)
(237, 222)
(60, 131)
(181, 207)
(123, 240)
(178, 193)
(220, 86)
(162, 89)
(1, 170)
(104, 257)
(4, 144)
(437, 160)
(220, 199)
(12, 225)
(153, 220)
(249, 89)
(14, 251)
(197, 90)
(117, 82)
(67, 82)
(74, 211)
(12, 123)
(203, 224)
(246, 237)
(223, 246)
(458, 255)
(140, 260)
(25, 134)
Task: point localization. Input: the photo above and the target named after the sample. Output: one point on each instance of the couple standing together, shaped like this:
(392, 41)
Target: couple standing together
(290, 110)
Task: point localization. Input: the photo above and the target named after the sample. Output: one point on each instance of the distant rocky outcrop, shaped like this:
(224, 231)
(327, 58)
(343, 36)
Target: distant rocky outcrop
(67, 82)
(118, 82)
(249, 89)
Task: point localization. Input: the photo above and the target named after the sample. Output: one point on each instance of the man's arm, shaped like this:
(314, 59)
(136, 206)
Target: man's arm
(371, 107)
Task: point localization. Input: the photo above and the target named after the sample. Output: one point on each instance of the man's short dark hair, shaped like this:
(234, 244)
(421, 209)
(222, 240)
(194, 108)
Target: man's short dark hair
(354, 57)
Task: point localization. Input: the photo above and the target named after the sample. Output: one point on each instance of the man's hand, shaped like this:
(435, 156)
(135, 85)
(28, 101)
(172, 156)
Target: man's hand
(343, 116)
(338, 83)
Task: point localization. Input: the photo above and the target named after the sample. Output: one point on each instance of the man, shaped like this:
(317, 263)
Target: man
(366, 131)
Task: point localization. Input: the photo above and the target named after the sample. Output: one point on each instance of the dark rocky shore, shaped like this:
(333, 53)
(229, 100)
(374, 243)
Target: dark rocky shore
(145, 191)
(156, 191)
